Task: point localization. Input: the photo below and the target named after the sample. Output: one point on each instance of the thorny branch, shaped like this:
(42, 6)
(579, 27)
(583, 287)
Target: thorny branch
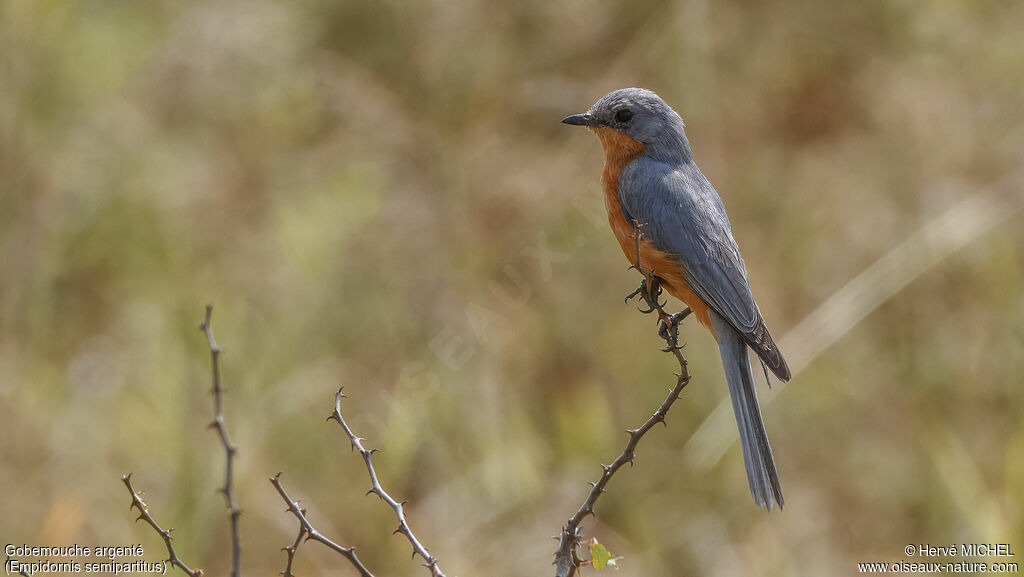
(398, 506)
(566, 559)
(291, 549)
(230, 449)
(144, 515)
(307, 531)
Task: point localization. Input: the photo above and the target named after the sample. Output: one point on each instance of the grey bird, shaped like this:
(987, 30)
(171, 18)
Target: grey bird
(650, 179)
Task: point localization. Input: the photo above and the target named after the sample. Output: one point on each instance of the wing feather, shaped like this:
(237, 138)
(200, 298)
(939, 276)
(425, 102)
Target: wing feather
(684, 217)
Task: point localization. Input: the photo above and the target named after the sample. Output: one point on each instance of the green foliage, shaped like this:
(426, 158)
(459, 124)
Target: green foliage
(601, 557)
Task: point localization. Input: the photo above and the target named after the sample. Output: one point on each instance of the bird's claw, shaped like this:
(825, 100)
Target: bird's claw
(647, 311)
(633, 294)
(648, 292)
(668, 329)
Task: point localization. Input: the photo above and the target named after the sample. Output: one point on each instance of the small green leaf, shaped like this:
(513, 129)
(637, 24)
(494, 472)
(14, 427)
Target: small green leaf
(601, 557)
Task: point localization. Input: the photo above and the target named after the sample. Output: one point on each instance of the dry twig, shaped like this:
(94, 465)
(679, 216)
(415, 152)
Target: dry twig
(291, 549)
(309, 532)
(430, 562)
(144, 515)
(566, 559)
(230, 450)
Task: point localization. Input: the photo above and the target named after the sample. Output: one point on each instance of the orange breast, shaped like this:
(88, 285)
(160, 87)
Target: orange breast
(619, 151)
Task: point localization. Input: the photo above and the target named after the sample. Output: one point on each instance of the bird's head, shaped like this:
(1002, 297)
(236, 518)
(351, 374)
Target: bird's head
(641, 115)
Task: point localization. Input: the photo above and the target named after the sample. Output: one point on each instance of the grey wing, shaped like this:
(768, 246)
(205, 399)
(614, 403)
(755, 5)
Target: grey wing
(684, 217)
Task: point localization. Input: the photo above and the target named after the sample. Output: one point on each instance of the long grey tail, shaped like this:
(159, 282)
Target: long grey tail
(757, 453)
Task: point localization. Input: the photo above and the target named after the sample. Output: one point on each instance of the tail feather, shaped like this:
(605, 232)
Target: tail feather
(757, 453)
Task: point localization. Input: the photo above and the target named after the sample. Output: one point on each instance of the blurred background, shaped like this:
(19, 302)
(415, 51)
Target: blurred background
(380, 195)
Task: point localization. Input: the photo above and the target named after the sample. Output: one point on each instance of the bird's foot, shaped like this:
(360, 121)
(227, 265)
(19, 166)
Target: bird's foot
(668, 328)
(649, 293)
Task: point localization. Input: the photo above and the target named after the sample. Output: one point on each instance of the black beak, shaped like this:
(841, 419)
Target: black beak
(582, 120)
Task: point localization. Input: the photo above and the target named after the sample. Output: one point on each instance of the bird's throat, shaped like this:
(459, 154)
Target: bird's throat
(619, 149)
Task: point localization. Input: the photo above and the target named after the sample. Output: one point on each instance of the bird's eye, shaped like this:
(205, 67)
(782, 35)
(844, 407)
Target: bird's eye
(623, 115)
